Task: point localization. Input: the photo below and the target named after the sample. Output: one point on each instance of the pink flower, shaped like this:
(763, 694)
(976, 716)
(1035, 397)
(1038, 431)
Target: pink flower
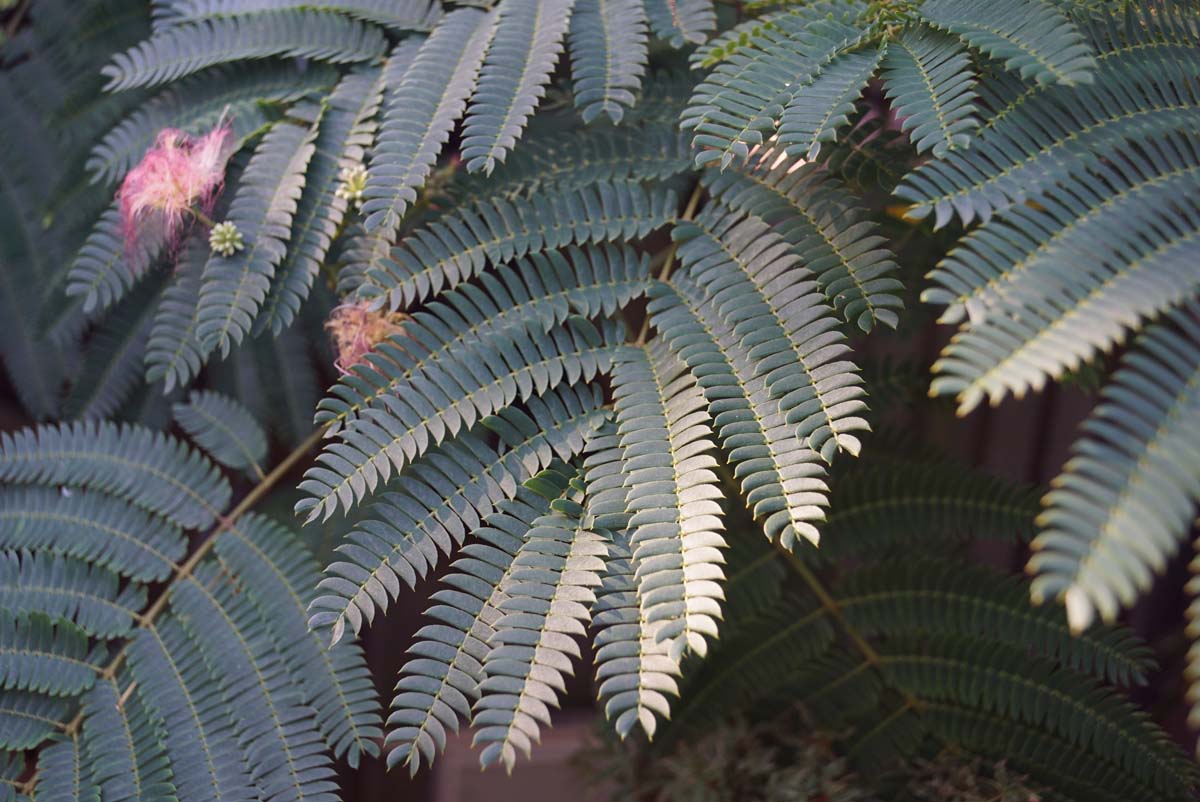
(178, 174)
(357, 329)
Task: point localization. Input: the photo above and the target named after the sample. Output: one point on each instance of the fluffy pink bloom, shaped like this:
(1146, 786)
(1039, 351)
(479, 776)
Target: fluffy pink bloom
(179, 173)
(357, 329)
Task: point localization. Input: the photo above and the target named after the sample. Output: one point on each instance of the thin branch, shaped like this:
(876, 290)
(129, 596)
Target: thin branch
(224, 522)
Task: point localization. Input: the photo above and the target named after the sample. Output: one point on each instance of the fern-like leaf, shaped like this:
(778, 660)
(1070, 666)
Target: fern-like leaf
(198, 737)
(1051, 136)
(63, 776)
(347, 128)
(224, 428)
(289, 762)
(681, 22)
(41, 654)
(818, 110)
(1031, 37)
(105, 270)
(1128, 494)
(635, 673)
(447, 397)
(1031, 314)
(335, 682)
(66, 588)
(439, 684)
(608, 56)
(198, 103)
(27, 719)
(92, 527)
(124, 746)
(929, 80)
(771, 307)
(782, 478)
(547, 593)
(399, 15)
(740, 102)
(546, 288)
(421, 113)
(945, 598)
(671, 496)
(174, 354)
(497, 231)
(234, 287)
(527, 42)
(145, 467)
(443, 497)
(827, 230)
(112, 362)
(187, 48)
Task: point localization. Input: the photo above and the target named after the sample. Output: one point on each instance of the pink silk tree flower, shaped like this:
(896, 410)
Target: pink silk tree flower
(357, 329)
(180, 175)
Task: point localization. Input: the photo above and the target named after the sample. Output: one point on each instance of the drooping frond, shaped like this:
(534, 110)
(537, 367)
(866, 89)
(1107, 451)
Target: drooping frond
(442, 497)
(1128, 495)
(671, 496)
(421, 113)
(681, 22)
(770, 305)
(1031, 312)
(346, 130)
(64, 776)
(198, 103)
(738, 104)
(945, 598)
(902, 503)
(817, 111)
(287, 761)
(546, 594)
(125, 746)
(461, 245)
(1029, 690)
(70, 589)
(400, 15)
(929, 80)
(608, 56)
(448, 396)
(180, 50)
(105, 270)
(198, 734)
(634, 672)
(827, 230)
(335, 681)
(439, 684)
(27, 719)
(224, 428)
(173, 353)
(112, 360)
(45, 655)
(1031, 37)
(1053, 135)
(233, 288)
(561, 160)
(524, 48)
(145, 467)
(782, 478)
(546, 288)
(92, 527)
(362, 250)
